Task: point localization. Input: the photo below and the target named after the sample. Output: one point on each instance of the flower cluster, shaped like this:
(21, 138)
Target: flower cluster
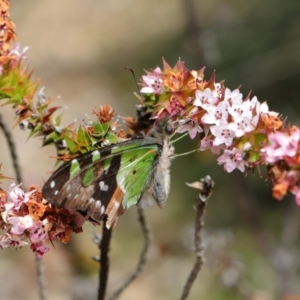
(7, 33)
(16, 87)
(283, 155)
(241, 130)
(27, 219)
(226, 120)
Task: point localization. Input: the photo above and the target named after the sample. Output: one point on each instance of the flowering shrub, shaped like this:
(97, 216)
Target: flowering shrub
(241, 130)
(28, 217)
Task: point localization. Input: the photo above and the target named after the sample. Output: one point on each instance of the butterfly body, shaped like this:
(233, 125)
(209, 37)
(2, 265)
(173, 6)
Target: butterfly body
(109, 180)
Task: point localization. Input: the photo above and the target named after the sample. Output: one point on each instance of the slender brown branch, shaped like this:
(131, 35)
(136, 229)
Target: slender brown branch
(12, 149)
(205, 186)
(200, 206)
(193, 33)
(41, 279)
(104, 247)
(143, 256)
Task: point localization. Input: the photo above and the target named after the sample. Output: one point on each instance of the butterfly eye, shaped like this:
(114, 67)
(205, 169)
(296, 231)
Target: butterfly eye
(168, 129)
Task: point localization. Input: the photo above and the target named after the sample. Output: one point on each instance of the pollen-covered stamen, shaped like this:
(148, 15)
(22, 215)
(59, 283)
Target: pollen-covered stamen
(225, 133)
(156, 84)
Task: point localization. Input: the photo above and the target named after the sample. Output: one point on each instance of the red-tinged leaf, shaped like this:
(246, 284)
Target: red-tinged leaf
(211, 82)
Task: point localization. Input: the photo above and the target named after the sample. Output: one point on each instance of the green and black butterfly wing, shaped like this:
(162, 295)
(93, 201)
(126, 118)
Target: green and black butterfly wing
(105, 181)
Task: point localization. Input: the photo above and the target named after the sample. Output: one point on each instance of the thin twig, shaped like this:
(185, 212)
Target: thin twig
(41, 278)
(12, 149)
(143, 256)
(205, 186)
(104, 247)
(200, 206)
(13, 153)
(193, 32)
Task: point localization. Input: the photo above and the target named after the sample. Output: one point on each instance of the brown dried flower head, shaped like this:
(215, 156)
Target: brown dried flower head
(105, 113)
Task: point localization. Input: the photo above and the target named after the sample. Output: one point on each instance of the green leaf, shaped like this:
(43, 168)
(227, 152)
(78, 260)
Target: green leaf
(111, 138)
(36, 129)
(100, 130)
(88, 176)
(75, 168)
(70, 144)
(51, 138)
(259, 139)
(81, 136)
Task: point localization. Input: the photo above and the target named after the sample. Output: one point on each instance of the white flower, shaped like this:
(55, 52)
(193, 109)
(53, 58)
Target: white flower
(216, 114)
(205, 98)
(222, 134)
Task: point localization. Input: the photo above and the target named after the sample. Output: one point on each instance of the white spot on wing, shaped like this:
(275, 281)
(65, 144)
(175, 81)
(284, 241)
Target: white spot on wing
(52, 184)
(103, 186)
(91, 200)
(74, 161)
(98, 204)
(95, 155)
(102, 209)
(56, 192)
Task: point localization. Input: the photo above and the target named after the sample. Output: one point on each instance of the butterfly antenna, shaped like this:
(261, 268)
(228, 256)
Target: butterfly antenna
(132, 72)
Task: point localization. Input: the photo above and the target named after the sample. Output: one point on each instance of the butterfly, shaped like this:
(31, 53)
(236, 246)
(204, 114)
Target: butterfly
(107, 181)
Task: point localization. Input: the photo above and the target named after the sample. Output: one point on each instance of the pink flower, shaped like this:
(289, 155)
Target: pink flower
(191, 126)
(282, 145)
(16, 195)
(10, 240)
(39, 249)
(20, 224)
(207, 143)
(39, 232)
(16, 51)
(153, 82)
(232, 159)
(8, 211)
(298, 197)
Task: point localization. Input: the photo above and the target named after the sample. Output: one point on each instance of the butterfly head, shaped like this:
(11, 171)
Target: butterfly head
(160, 131)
